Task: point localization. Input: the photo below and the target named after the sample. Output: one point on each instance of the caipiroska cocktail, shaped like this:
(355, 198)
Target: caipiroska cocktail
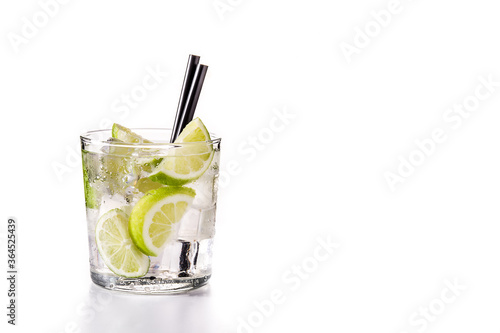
(150, 207)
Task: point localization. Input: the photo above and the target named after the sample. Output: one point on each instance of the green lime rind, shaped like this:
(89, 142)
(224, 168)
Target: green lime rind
(165, 179)
(143, 207)
(116, 248)
(90, 192)
(151, 165)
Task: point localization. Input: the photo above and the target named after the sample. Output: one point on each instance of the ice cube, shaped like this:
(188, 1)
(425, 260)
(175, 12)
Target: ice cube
(206, 188)
(197, 224)
(189, 224)
(207, 223)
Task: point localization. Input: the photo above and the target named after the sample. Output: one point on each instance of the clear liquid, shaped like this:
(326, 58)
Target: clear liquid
(186, 258)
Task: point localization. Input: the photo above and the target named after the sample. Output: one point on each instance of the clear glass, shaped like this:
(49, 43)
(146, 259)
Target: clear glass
(116, 176)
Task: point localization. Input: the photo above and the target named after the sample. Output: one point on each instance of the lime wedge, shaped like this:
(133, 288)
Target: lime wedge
(116, 248)
(124, 134)
(91, 200)
(123, 168)
(187, 163)
(153, 217)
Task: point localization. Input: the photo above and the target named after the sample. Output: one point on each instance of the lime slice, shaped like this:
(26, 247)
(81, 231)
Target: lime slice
(187, 163)
(154, 216)
(124, 134)
(116, 247)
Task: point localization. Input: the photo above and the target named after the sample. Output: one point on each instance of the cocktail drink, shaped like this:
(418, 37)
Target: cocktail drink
(150, 207)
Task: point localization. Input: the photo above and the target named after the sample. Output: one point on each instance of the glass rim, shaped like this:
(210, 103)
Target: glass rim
(87, 138)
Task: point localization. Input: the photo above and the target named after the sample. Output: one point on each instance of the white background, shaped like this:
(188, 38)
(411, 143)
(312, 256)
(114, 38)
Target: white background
(321, 175)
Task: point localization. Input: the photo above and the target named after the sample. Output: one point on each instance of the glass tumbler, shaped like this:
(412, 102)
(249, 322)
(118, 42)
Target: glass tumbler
(150, 210)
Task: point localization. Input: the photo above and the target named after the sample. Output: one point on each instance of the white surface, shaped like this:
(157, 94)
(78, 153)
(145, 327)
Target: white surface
(321, 175)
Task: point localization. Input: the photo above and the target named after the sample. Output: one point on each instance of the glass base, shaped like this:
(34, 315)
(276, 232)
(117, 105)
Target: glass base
(148, 285)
